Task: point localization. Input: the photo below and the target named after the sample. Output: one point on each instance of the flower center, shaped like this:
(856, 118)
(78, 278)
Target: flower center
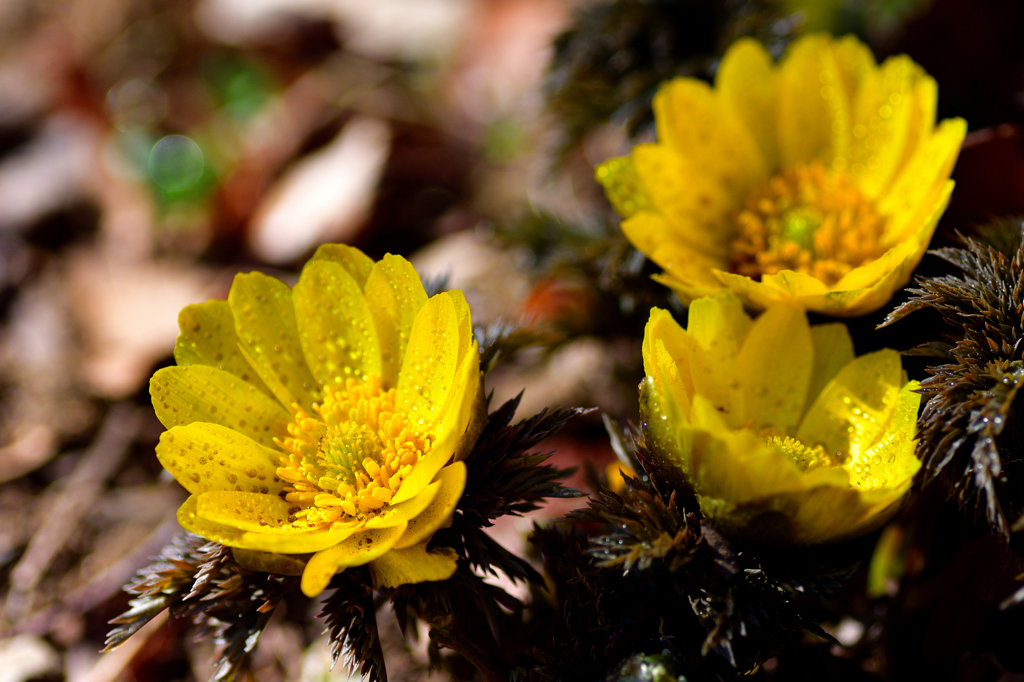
(806, 457)
(809, 220)
(346, 462)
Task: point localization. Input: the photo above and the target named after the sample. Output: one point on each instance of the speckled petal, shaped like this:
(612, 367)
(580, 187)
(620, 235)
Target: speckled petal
(699, 125)
(413, 565)
(716, 330)
(265, 324)
(746, 80)
(428, 370)
(451, 428)
(335, 325)
(268, 562)
(196, 393)
(438, 514)
(360, 549)
(691, 268)
(204, 457)
(692, 201)
(855, 406)
(208, 338)
(395, 295)
(355, 262)
(925, 171)
(774, 367)
(813, 108)
(833, 350)
(298, 542)
(881, 124)
(623, 187)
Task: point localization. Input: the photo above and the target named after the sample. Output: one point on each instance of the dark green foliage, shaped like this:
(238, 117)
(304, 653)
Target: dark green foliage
(350, 616)
(504, 338)
(609, 64)
(201, 581)
(970, 431)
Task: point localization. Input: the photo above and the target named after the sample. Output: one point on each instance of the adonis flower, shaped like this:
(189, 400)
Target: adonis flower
(327, 419)
(783, 435)
(818, 180)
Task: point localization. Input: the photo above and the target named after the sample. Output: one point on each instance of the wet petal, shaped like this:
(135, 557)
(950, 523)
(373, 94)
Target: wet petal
(814, 110)
(204, 457)
(356, 263)
(208, 338)
(428, 369)
(746, 79)
(413, 565)
(298, 542)
(701, 126)
(774, 367)
(336, 328)
(265, 323)
(196, 393)
(360, 549)
(452, 482)
(623, 187)
(833, 350)
(852, 410)
(268, 562)
(395, 295)
(402, 512)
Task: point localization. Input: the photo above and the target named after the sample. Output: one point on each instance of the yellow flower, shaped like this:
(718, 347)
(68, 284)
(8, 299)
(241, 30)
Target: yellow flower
(327, 419)
(819, 180)
(783, 435)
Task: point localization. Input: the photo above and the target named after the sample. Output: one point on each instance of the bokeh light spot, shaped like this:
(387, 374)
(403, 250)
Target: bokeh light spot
(175, 163)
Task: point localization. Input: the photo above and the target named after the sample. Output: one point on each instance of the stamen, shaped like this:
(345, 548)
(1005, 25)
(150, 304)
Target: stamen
(348, 460)
(809, 220)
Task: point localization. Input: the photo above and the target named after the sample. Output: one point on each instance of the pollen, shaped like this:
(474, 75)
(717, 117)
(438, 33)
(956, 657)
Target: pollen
(346, 461)
(806, 457)
(810, 220)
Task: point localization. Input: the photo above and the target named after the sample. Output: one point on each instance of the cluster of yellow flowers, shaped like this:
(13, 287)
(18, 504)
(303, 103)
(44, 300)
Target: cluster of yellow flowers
(815, 185)
(322, 426)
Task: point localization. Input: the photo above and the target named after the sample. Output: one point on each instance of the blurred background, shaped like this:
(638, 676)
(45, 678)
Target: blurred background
(151, 149)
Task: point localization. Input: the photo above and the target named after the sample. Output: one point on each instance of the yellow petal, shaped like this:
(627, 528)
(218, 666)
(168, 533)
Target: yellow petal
(833, 350)
(890, 461)
(746, 80)
(703, 128)
(196, 393)
(298, 542)
(361, 548)
(335, 325)
(265, 323)
(853, 409)
(402, 512)
(669, 444)
(693, 202)
(924, 101)
(355, 262)
(268, 562)
(246, 511)
(689, 267)
(428, 369)
(854, 62)
(208, 338)
(661, 326)
(881, 123)
(413, 565)
(716, 330)
(465, 318)
(438, 513)
(926, 170)
(451, 429)
(204, 457)
(395, 295)
(774, 368)
(622, 186)
(813, 109)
